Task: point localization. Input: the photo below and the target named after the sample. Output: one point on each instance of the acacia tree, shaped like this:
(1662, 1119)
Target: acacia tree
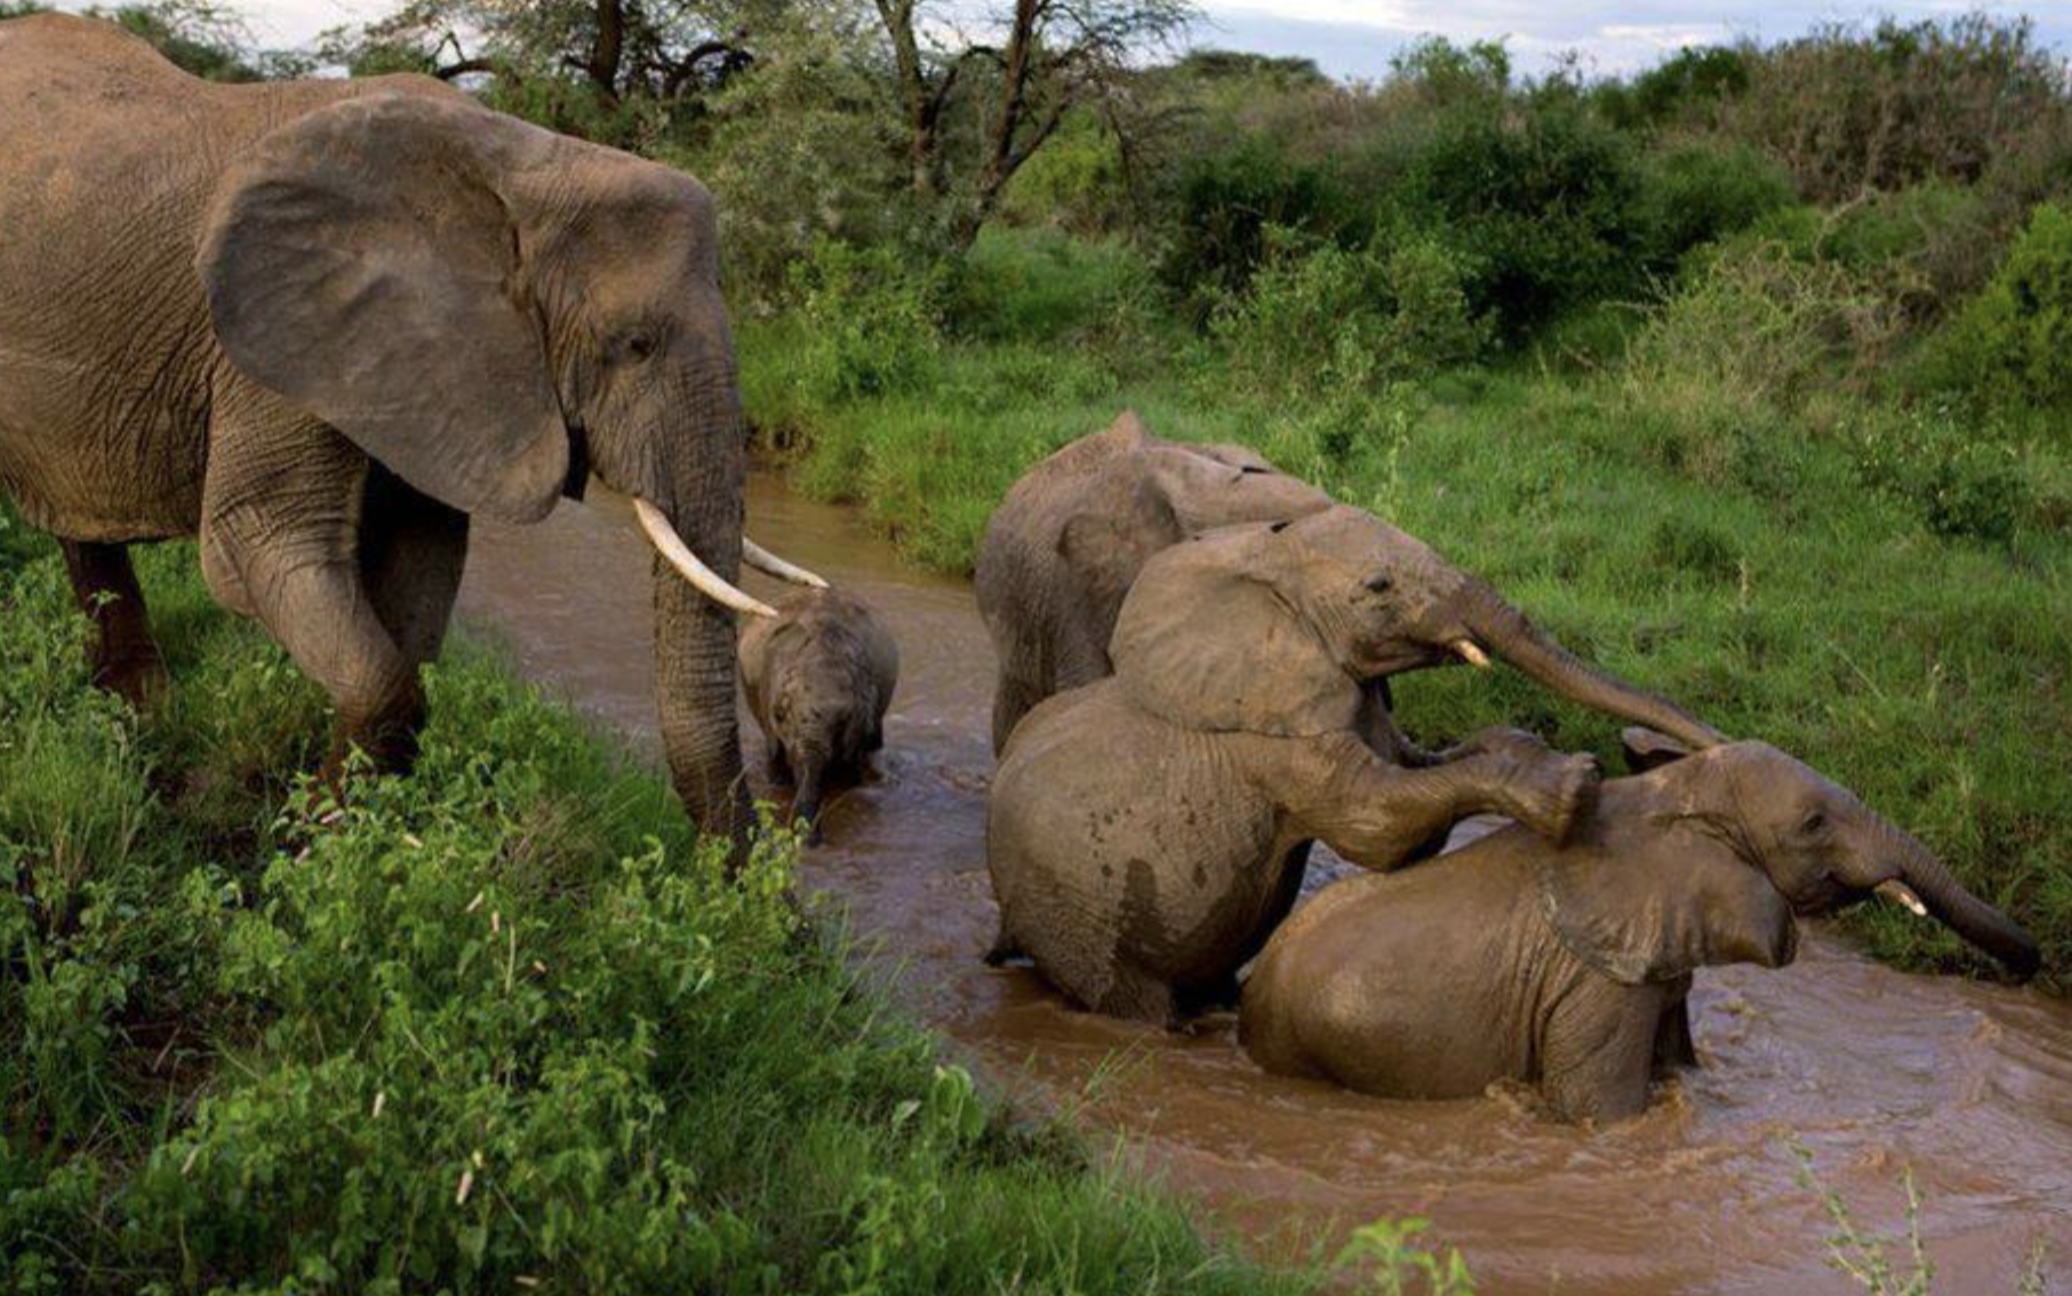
(642, 55)
(1011, 87)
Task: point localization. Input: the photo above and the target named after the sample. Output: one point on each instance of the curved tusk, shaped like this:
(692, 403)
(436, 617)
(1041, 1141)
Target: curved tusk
(705, 580)
(1900, 893)
(1471, 653)
(770, 564)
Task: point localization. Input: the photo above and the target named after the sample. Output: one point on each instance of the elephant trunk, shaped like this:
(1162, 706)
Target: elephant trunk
(1964, 913)
(810, 770)
(1505, 630)
(695, 641)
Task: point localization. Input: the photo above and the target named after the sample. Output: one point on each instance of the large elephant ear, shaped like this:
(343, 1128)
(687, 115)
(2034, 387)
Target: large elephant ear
(362, 264)
(1639, 919)
(1209, 640)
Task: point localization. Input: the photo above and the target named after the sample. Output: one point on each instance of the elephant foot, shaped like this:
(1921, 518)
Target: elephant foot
(1550, 793)
(137, 676)
(1136, 997)
(387, 744)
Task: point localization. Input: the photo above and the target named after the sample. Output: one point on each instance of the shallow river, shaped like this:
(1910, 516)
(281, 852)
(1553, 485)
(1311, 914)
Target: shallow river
(1874, 1071)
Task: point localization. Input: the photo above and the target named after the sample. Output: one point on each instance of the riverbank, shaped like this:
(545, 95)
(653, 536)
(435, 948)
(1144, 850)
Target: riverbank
(1852, 581)
(497, 1026)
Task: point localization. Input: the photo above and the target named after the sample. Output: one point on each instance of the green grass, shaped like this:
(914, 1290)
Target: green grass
(498, 1026)
(1861, 586)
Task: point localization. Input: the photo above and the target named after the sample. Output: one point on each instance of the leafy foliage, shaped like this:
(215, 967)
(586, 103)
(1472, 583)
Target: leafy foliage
(499, 1025)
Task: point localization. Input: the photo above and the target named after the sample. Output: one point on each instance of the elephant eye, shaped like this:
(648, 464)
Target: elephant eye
(1247, 470)
(1378, 584)
(1813, 823)
(639, 346)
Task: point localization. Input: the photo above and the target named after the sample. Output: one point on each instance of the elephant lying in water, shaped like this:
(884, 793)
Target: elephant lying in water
(1066, 544)
(1567, 966)
(819, 677)
(1147, 832)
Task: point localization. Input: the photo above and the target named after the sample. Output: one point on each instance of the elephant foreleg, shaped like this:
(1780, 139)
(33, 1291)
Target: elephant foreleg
(1596, 1063)
(1380, 816)
(281, 542)
(124, 656)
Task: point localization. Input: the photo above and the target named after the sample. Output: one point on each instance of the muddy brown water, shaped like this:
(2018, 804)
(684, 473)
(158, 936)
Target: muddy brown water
(1873, 1071)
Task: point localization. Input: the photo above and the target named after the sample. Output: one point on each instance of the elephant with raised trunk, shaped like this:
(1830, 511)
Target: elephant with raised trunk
(1064, 547)
(320, 324)
(819, 678)
(1567, 966)
(1147, 832)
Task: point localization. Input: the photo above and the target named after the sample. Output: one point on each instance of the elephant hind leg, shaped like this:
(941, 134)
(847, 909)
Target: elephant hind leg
(1138, 996)
(1012, 699)
(1675, 1049)
(1004, 950)
(124, 657)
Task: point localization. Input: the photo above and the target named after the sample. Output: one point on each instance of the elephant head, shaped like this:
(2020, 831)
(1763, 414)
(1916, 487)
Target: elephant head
(1140, 494)
(1820, 845)
(495, 313)
(1276, 628)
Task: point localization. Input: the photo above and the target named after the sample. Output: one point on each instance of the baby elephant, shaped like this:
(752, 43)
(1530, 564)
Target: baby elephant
(1567, 966)
(819, 677)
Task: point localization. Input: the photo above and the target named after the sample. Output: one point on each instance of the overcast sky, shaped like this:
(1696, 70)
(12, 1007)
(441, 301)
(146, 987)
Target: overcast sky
(1354, 38)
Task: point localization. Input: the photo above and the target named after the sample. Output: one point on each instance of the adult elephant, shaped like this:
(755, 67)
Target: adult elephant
(322, 323)
(1065, 545)
(1147, 832)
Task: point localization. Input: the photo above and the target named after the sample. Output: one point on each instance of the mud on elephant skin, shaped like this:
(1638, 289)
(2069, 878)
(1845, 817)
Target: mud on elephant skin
(1067, 542)
(322, 324)
(1147, 832)
(819, 678)
(1567, 966)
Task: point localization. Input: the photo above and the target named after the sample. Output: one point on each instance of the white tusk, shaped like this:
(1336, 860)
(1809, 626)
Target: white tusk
(1900, 893)
(764, 561)
(705, 580)
(1471, 653)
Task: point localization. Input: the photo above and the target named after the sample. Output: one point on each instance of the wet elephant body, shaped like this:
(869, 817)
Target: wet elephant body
(322, 324)
(1566, 965)
(819, 678)
(1147, 831)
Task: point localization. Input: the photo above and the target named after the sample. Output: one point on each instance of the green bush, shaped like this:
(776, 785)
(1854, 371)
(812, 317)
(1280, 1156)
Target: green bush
(1760, 325)
(1696, 193)
(2011, 345)
(1689, 84)
(873, 321)
(1319, 316)
(1540, 200)
(1227, 201)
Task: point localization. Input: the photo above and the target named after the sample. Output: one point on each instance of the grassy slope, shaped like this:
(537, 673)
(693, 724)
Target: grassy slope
(1737, 560)
(500, 1022)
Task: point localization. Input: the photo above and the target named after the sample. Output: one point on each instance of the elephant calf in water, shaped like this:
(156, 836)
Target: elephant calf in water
(1567, 966)
(819, 677)
(1148, 831)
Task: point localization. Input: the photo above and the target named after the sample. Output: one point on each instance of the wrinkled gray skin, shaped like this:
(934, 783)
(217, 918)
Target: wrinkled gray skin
(1146, 832)
(320, 324)
(819, 678)
(1064, 547)
(1567, 966)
